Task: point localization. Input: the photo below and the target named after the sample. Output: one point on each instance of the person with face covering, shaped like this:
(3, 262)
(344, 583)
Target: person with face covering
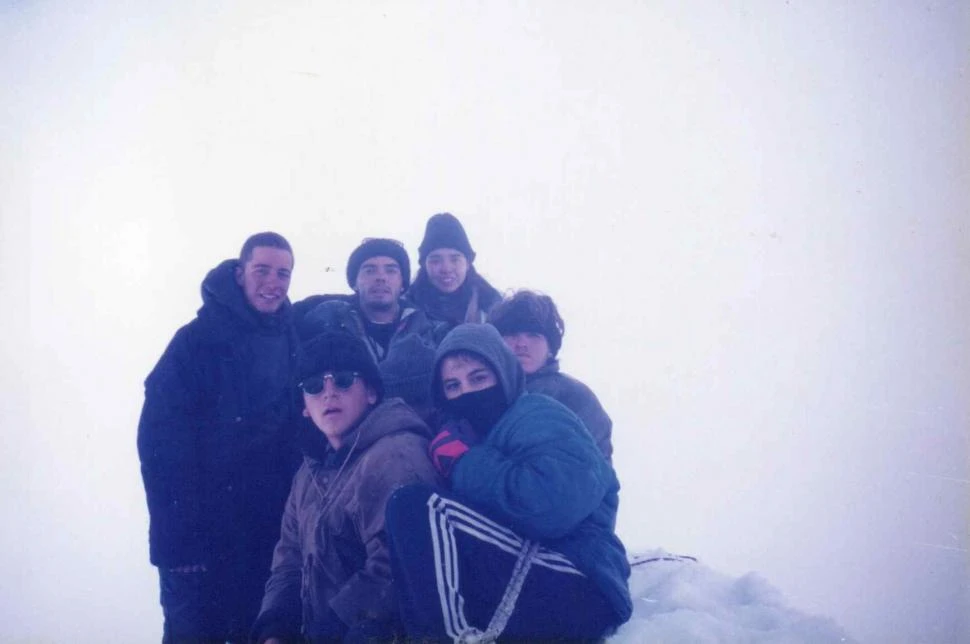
(331, 578)
(447, 286)
(530, 324)
(523, 546)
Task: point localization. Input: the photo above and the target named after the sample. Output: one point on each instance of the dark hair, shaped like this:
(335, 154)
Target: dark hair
(267, 239)
(529, 311)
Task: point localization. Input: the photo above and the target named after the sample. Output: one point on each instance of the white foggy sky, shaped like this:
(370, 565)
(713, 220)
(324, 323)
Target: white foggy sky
(753, 216)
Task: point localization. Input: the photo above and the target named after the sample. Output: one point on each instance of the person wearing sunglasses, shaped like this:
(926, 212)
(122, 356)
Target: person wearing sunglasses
(330, 578)
(532, 327)
(523, 546)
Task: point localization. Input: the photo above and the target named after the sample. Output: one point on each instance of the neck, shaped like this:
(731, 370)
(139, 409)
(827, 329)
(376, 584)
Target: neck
(382, 315)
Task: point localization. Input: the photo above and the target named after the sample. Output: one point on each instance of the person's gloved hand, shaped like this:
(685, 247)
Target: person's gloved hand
(451, 443)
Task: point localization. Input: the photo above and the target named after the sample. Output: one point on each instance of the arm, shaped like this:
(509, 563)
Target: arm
(169, 452)
(281, 613)
(541, 474)
(597, 421)
(394, 461)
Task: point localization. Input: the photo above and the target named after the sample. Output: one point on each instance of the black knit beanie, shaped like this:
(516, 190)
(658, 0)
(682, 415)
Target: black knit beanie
(379, 247)
(444, 231)
(340, 352)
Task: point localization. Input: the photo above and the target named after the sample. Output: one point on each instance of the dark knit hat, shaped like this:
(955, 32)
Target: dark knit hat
(329, 316)
(444, 231)
(527, 311)
(379, 247)
(340, 352)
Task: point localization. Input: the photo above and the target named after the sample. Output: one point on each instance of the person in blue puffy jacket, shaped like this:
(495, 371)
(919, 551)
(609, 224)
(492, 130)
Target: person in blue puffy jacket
(523, 546)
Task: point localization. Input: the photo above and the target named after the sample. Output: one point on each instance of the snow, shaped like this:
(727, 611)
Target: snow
(752, 216)
(679, 599)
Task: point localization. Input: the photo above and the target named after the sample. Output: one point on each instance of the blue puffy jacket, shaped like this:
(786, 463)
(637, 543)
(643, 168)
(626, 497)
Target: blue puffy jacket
(539, 471)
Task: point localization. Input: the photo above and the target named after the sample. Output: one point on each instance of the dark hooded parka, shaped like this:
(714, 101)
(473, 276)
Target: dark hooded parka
(215, 438)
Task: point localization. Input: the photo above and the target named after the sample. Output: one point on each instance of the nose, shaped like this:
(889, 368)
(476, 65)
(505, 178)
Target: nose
(329, 389)
(272, 281)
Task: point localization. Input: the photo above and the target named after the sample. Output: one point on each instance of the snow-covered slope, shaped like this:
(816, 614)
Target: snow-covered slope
(677, 599)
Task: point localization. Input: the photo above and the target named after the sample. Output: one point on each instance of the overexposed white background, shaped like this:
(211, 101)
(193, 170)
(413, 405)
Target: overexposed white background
(752, 214)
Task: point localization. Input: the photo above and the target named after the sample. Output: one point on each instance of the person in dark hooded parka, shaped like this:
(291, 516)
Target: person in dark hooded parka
(331, 576)
(217, 448)
(523, 547)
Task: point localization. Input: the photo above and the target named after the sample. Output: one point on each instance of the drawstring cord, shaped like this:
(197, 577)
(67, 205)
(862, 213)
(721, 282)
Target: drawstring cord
(505, 607)
(313, 477)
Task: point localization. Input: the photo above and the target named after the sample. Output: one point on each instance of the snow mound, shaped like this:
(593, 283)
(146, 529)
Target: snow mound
(677, 599)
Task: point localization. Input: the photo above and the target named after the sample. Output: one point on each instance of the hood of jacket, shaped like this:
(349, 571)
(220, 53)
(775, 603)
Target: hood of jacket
(223, 302)
(482, 340)
(390, 416)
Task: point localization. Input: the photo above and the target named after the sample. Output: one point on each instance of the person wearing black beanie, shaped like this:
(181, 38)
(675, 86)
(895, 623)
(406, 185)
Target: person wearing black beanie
(532, 328)
(365, 448)
(399, 336)
(447, 286)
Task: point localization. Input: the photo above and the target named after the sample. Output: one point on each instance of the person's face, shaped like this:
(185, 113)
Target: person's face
(446, 269)
(531, 349)
(338, 405)
(265, 278)
(379, 282)
(464, 374)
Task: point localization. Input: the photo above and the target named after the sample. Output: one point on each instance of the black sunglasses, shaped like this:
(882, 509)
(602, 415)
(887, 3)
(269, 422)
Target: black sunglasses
(341, 380)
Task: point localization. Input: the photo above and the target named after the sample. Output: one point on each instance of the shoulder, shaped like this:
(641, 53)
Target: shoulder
(304, 306)
(394, 415)
(192, 343)
(540, 415)
(395, 459)
(558, 384)
(488, 295)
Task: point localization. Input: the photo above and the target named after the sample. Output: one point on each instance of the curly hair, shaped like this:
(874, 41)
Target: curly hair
(529, 311)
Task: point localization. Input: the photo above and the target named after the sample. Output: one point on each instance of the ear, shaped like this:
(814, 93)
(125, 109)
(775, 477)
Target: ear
(239, 274)
(371, 395)
(306, 414)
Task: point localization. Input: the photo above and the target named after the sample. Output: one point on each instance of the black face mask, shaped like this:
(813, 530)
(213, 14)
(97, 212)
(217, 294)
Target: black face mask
(481, 408)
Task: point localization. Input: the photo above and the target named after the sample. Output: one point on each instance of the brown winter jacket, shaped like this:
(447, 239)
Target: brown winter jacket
(579, 398)
(332, 557)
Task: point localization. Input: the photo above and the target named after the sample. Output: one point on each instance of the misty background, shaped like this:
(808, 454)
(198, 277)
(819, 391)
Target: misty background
(751, 214)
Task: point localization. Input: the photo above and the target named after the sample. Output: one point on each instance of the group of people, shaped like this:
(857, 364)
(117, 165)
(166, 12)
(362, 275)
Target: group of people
(406, 462)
